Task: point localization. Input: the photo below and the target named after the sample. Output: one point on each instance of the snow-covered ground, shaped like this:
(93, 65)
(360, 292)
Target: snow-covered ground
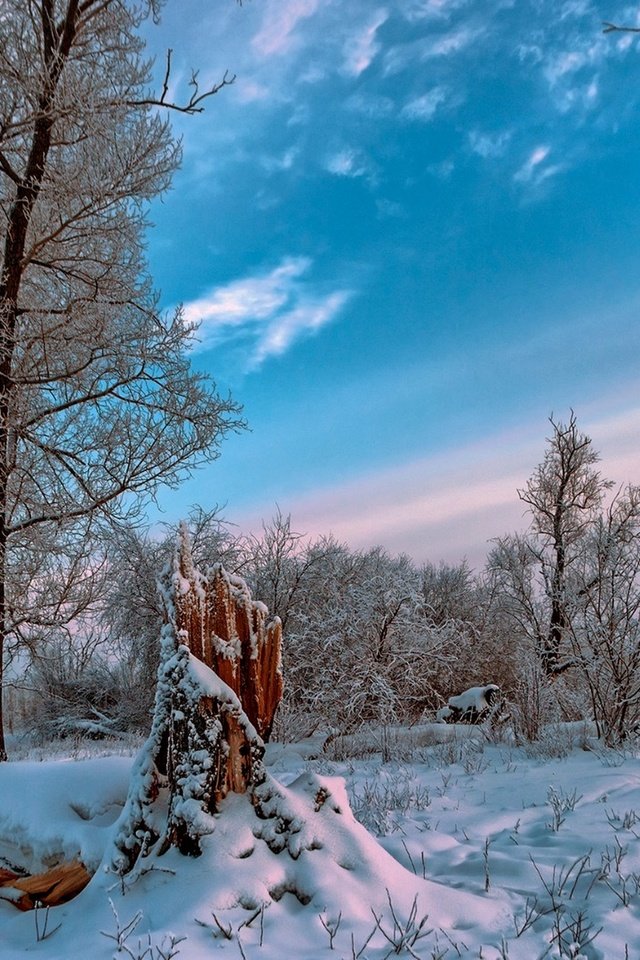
(475, 849)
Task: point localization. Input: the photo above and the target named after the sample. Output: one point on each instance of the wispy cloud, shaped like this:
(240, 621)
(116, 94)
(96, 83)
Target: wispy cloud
(438, 507)
(269, 311)
(374, 106)
(248, 91)
(363, 47)
(442, 170)
(424, 107)
(570, 66)
(450, 505)
(563, 63)
(281, 163)
(531, 167)
(416, 10)
(276, 35)
(347, 163)
(583, 96)
(489, 145)
(452, 42)
(403, 56)
(306, 317)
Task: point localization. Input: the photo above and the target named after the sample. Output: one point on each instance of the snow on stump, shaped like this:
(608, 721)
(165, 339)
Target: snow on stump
(475, 705)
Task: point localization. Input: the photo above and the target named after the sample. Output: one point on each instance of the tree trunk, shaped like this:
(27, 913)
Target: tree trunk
(57, 43)
(3, 636)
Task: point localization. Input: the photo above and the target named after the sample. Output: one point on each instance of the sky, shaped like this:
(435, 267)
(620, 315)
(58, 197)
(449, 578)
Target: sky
(410, 232)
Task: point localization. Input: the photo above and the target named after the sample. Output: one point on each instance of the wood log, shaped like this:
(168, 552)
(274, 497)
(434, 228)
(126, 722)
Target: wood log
(50, 888)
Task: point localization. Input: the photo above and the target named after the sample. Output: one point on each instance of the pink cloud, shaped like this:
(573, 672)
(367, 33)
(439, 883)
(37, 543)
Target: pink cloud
(281, 19)
(362, 48)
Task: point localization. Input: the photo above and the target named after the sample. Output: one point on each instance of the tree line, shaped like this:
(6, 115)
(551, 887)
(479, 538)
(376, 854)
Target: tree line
(99, 407)
(553, 618)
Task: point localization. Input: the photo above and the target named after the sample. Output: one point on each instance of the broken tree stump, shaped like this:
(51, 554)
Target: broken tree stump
(219, 684)
(224, 628)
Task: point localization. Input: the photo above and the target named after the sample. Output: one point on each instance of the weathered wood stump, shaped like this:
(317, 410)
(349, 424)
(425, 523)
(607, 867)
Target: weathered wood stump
(219, 684)
(225, 629)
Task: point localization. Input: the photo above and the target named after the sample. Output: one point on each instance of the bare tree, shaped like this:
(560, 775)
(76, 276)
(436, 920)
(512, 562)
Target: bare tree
(97, 398)
(564, 496)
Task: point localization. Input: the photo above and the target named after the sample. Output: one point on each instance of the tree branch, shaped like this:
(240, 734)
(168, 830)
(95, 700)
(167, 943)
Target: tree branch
(614, 28)
(194, 104)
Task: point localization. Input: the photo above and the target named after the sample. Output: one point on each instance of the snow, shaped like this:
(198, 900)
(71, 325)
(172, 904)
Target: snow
(474, 699)
(511, 839)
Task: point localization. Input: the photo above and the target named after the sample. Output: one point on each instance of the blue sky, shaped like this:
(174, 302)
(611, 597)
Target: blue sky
(410, 231)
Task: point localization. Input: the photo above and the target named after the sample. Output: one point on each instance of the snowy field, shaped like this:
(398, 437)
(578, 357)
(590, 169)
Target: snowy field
(474, 849)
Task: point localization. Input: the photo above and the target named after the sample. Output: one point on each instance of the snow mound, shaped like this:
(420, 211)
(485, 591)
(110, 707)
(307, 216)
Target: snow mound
(50, 812)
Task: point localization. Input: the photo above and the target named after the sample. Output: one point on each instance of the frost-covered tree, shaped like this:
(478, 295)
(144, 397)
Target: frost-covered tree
(466, 604)
(367, 636)
(131, 609)
(98, 404)
(357, 646)
(605, 622)
(564, 496)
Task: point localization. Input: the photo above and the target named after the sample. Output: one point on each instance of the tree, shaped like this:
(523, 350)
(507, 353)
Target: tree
(605, 624)
(98, 404)
(564, 496)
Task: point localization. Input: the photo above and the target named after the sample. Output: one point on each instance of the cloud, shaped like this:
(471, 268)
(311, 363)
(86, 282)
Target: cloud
(402, 57)
(442, 170)
(276, 35)
(571, 69)
(374, 106)
(248, 91)
(566, 62)
(282, 163)
(269, 311)
(452, 42)
(489, 146)
(529, 167)
(362, 48)
(576, 8)
(582, 96)
(390, 208)
(347, 163)
(443, 506)
(424, 108)
(416, 10)
(307, 317)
